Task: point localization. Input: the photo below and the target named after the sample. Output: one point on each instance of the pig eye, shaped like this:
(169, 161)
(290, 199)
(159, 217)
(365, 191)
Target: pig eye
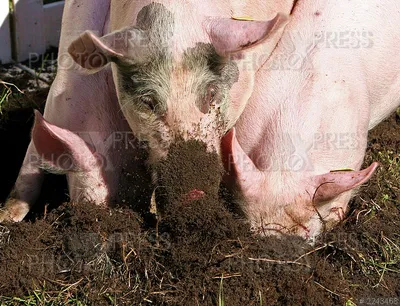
(148, 101)
(211, 93)
(210, 99)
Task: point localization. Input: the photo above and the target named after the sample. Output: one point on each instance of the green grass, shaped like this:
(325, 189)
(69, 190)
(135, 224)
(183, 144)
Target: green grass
(386, 254)
(391, 160)
(45, 298)
(13, 98)
(8, 91)
(383, 254)
(350, 303)
(41, 68)
(221, 301)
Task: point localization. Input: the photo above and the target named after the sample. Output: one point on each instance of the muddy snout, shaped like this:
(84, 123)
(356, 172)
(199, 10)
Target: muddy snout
(189, 173)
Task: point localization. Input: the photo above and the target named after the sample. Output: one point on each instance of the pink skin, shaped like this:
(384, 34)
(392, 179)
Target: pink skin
(297, 212)
(309, 117)
(193, 195)
(82, 113)
(62, 149)
(65, 151)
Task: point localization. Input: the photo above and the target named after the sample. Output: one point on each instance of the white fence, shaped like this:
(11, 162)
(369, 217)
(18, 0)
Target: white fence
(29, 27)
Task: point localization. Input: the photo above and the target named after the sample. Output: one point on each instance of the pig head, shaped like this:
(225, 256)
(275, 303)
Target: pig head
(179, 73)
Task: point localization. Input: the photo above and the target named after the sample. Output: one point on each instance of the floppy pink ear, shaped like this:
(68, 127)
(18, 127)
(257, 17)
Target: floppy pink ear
(332, 184)
(90, 52)
(231, 36)
(238, 164)
(93, 52)
(62, 149)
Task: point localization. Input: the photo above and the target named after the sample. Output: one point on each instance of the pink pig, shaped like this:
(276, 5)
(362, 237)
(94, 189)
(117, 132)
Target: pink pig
(333, 76)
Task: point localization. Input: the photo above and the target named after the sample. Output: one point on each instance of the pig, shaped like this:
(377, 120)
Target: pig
(294, 156)
(176, 73)
(76, 103)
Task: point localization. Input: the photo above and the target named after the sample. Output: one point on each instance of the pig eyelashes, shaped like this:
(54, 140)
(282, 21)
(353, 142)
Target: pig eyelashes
(212, 95)
(149, 101)
(211, 98)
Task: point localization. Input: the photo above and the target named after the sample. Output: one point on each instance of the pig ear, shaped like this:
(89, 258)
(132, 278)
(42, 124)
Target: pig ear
(61, 149)
(238, 164)
(332, 184)
(93, 52)
(231, 36)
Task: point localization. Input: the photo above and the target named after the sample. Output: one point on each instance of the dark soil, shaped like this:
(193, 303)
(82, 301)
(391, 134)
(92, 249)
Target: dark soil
(188, 167)
(199, 252)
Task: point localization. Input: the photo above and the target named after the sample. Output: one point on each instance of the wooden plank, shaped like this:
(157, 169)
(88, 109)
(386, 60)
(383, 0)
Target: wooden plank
(29, 33)
(5, 36)
(52, 17)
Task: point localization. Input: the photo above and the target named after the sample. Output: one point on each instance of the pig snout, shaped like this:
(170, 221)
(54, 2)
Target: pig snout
(189, 173)
(192, 195)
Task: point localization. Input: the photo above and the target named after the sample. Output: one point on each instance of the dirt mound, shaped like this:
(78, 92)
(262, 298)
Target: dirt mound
(184, 262)
(200, 253)
(188, 167)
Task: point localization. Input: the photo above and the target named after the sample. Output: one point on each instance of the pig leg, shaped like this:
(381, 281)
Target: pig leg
(26, 189)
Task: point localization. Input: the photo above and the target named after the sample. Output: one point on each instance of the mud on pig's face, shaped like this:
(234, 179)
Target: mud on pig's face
(165, 100)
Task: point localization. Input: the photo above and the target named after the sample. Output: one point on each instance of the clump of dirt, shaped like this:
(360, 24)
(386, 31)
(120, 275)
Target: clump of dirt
(193, 220)
(134, 186)
(73, 242)
(189, 167)
(189, 180)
